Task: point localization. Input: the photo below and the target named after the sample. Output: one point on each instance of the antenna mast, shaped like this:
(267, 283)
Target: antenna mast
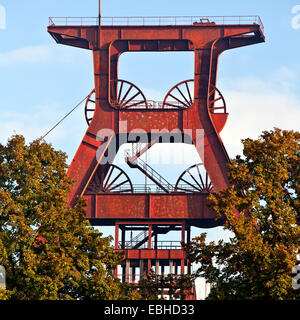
(99, 17)
(99, 24)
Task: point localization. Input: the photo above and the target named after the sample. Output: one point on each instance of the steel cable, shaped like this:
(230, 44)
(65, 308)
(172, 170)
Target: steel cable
(61, 120)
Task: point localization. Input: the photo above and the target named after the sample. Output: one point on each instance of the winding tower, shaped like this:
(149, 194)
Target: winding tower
(114, 109)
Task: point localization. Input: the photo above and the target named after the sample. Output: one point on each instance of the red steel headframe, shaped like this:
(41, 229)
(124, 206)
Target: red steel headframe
(207, 40)
(110, 195)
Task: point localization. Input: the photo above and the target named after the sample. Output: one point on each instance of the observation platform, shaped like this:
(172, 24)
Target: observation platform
(157, 21)
(77, 31)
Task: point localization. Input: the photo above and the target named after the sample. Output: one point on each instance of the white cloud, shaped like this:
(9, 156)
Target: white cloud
(256, 105)
(36, 122)
(32, 124)
(43, 54)
(31, 54)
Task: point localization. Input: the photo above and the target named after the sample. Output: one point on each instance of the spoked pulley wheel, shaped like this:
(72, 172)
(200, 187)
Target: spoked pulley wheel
(126, 95)
(194, 180)
(90, 106)
(216, 101)
(109, 179)
(181, 96)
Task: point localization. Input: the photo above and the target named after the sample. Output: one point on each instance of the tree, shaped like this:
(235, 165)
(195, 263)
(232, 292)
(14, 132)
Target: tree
(48, 249)
(257, 262)
(154, 287)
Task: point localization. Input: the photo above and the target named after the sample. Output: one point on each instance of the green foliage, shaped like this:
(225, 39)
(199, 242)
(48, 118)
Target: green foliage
(262, 211)
(176, 286)
(48, 249)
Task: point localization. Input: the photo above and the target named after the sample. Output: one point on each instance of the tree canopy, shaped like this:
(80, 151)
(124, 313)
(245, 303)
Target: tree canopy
(258, 260)
(48, 249)
(177, 287)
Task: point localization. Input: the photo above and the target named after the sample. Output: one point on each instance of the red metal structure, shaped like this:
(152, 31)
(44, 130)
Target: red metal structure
(192, 106)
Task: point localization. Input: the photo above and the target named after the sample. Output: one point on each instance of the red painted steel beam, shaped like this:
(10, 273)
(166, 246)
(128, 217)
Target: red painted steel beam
(148, 206)
(160, 254)
(109, 34)
(149, 221)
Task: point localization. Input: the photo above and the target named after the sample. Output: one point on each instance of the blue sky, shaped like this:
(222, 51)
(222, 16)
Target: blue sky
(41, 81)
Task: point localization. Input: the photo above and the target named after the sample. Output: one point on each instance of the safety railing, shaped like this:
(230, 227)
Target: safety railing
(162, 245)
(153, 188)
(167, 245)
(69, 21)
(135, 278)
(158, 20)
(151, 104)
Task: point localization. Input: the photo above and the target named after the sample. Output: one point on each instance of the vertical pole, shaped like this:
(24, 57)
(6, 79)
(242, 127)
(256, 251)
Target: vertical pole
(123, 236)
(99, 17)
(150, 236)
(171, 267)
(99, 26)
(133, 268)
(182, 266)
(116, 236)
(188, 240)
(123, 273)
(127, 270)
(182, 240)
(149, 267)
(116, 246)
(183, 232)
(188, 234)
(141, 269)
(189, 267)
(116, 272)
(157, 268)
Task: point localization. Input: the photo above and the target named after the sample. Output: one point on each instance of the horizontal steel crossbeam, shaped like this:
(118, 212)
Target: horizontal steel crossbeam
(157, 20)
